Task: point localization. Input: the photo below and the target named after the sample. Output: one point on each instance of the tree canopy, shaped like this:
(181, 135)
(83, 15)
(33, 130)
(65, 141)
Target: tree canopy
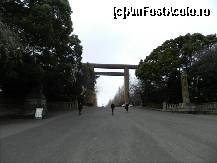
(160, 71)
(37, 47)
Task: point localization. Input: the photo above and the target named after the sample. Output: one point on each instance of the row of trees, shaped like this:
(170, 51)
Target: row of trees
(159, 73)
(38, 49)
(118, 99)
(134, 94)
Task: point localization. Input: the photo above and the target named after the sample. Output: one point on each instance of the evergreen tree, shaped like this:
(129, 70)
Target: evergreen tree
(51, 54)
(160, 71)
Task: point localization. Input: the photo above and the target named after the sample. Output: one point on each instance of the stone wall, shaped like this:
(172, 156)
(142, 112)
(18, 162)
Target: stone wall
(210, 107)
(207, 107)
(171, 107)
(61, 106)
(11, 109)
(20, 109)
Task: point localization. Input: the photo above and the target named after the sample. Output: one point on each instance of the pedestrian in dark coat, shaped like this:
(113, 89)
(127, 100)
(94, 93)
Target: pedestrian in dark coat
(80, 104)
(127, 107)
(112, 107)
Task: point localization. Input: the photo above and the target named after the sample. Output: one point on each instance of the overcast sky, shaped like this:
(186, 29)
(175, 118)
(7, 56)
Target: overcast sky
(126, 41)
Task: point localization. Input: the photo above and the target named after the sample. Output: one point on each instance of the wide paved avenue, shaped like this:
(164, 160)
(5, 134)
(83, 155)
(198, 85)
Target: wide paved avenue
(97, 136)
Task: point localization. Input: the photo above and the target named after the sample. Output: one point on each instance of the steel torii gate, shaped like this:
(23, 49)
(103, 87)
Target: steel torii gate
(117, 66)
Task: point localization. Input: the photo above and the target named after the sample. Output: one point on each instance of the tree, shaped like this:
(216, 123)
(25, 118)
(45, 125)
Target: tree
(10, 55)
(203, 86)
(87, 80)
(135, 92)
(10, 49)
(118, 99)
(61, 80)
(51, 54)
(160, 71)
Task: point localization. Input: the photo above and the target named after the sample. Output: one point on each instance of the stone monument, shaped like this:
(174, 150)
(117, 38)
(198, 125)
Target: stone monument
(185, 92)
(186, 104)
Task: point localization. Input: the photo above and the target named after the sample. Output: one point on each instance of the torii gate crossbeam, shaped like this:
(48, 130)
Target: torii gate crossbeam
(110, 73)
(113, 66)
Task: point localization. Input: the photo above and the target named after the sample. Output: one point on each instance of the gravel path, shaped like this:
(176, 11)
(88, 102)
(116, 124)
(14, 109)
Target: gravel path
(97, 136)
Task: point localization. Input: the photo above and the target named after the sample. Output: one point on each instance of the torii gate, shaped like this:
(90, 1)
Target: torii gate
(117, 66)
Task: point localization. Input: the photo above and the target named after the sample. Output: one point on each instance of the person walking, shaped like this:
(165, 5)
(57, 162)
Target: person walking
(80, 100)
(112, 107)
(127, 107)
(80, 104)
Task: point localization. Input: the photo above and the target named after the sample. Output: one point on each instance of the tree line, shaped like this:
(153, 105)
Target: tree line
(38, 49)
(134, 94)
(160, 72)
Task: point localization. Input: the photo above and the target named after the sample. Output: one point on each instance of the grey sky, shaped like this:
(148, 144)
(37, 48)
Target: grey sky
(106, 40)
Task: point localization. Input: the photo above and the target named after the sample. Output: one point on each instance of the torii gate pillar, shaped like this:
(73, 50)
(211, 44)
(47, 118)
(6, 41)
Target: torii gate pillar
(126, 85)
